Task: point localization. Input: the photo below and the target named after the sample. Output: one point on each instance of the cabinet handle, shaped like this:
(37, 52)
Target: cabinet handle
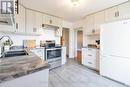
(34, 29)
(118, 14)
(89, 49)
(16, 25)
(89, 55)
(115, 14)
(89, 62)
(50, 21)
(93, 30)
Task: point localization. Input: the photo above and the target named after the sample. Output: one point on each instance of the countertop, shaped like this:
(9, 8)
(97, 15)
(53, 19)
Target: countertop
(92, 48)
(14, 67)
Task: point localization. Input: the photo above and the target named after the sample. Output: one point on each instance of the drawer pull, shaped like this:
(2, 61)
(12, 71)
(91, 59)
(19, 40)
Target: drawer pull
(89, 55)
(89, 62)
(89, 49)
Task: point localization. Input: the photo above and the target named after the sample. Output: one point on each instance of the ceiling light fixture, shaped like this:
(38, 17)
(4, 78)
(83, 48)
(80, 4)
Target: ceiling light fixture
(75, 3)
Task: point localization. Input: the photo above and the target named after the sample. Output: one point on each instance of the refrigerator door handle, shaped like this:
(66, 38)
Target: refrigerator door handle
(120, 56)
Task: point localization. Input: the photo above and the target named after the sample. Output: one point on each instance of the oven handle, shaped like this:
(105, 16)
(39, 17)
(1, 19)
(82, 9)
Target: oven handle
(53, 49)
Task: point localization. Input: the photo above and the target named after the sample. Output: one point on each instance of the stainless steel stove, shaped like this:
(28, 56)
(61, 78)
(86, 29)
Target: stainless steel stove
(53, 54)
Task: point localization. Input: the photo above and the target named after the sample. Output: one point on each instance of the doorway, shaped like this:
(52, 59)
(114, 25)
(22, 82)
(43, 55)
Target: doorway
(65, 40)
(79, 45)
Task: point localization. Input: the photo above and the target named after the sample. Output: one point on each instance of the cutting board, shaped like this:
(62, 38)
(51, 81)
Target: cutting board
(29, 43)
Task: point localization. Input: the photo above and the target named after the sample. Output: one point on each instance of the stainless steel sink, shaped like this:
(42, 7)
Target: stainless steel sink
(14, 53)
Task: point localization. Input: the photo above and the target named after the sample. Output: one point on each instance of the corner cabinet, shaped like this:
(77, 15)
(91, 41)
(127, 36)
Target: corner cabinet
(33, 22)
(20, 21)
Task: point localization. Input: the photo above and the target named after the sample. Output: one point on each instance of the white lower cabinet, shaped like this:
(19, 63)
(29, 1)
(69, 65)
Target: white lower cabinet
(37, 79)
(39, 52)
(89, 58)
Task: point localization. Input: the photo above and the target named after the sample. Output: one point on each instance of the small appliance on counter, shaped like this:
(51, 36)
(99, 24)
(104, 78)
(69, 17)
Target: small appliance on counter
(53, 54)
(98, 44)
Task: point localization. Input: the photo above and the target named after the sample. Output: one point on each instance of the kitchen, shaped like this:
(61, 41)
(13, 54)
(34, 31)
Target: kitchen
(36, 52)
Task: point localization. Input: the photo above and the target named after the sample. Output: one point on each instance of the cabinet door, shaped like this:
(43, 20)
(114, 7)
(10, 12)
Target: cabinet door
(20, 20)
(124, 10)
(84, 56)
(56, 21)
(38, 22)
(90, 24)
(98, 20)
(47, 19)
(30, 22)
(111, 14)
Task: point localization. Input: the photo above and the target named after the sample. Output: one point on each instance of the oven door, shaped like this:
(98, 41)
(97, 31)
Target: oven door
(53, 54)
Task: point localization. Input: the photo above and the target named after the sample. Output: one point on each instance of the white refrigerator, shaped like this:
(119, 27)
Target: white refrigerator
(115, 51)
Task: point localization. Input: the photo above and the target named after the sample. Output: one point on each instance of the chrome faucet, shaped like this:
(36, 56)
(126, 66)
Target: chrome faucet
(2, 40)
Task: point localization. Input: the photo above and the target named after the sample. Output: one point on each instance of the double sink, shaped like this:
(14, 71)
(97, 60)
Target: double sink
(14, 53)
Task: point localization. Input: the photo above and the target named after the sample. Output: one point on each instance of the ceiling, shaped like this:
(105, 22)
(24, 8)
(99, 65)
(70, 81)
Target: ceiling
(65, 9)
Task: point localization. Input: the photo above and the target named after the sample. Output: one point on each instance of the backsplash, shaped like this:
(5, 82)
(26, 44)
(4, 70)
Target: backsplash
(48, 34)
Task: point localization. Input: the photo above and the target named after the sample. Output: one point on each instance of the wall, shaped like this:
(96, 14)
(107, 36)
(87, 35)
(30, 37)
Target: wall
(72, 43)
(47, 34)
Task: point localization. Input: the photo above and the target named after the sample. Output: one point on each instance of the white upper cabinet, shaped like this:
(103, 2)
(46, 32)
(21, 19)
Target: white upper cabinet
(98, 20)
(38, 23)
(30, 22)
(111, 14)
(118, 12)
(51, 20)
(47, 19)
(20, 20)
(57, 21)
(93, 23)
(124, 10)
(89, 24)
(33, 22)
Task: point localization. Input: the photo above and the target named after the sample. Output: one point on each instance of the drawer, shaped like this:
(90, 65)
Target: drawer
(91, 63)
(91, 55)
(90, 50)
